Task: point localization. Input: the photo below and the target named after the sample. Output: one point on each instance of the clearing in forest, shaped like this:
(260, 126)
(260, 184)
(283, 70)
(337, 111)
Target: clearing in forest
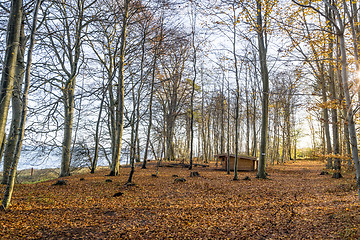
(295, 203)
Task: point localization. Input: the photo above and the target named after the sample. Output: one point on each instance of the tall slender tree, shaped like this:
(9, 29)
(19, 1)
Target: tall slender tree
(265, 91)
(21, 129)
(120, 94)
(10, 62)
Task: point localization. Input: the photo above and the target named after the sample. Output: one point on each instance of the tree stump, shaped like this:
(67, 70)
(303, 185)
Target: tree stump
(61, 183)
(118, 194)
(180, 180)
(337, 175)
(324, 173)
(194, 174)
(247, 178)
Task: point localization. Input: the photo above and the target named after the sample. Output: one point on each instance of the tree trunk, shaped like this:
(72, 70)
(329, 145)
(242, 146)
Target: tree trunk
(228, 131)
(208, 147)
(203, 121)
(334, 115)
(16, 104)
(120, 96)
(344, 110)
(132, 140)
(326, 121)
(355, 32)
(21, 130)
(265, 98)
(10, 62)
(137, 139)
(350, 113)
(237, 94)
(283, 152)
(288, 127)
(170, 155)
(97, 135)
(192, 88)
(254, 148)
(2, 147)
(247, 118)
(68, 95)
(69, 89)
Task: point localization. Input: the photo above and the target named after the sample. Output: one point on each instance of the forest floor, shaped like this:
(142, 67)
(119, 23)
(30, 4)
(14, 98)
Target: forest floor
(296, 202)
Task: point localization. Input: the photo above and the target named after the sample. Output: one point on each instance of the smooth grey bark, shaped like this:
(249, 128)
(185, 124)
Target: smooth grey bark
(170, 121)
(288, 125)
(276, 134)
(208, 146)
(228, 130)
(247, 117)
(340, 29)
(119, 124)
(10, 62)
(295, 150)
(2, 147)
(334, 115)
(16, 104)
(344, 113)
(174, 95)
(326, 120)
(72, 49)
(237, 95)
(193, 32)
(265, 96)
(69, 96)
(132, 135)
(254, 142)
(350, 113)
(203, 120)
(222, 114)
(283, 146)
(21, 130)
(97, 134)
(330, 163)
(215, 148)
(355, 32)
(254, 115)
(138, 100)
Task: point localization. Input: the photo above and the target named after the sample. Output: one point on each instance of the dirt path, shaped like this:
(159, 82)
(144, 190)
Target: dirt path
(295, 203)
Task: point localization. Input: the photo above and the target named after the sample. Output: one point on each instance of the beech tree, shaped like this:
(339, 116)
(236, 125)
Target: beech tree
(21, 113)
(16, 105)
(119, 116)
(66, 47)
(10, 62)
(265, 80)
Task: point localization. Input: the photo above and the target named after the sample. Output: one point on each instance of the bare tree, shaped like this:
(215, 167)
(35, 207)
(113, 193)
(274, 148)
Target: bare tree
(265, 96)
(21, 129)
(10, 62)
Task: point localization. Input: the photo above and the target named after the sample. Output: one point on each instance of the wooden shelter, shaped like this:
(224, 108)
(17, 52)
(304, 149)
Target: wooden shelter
(245, 163)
